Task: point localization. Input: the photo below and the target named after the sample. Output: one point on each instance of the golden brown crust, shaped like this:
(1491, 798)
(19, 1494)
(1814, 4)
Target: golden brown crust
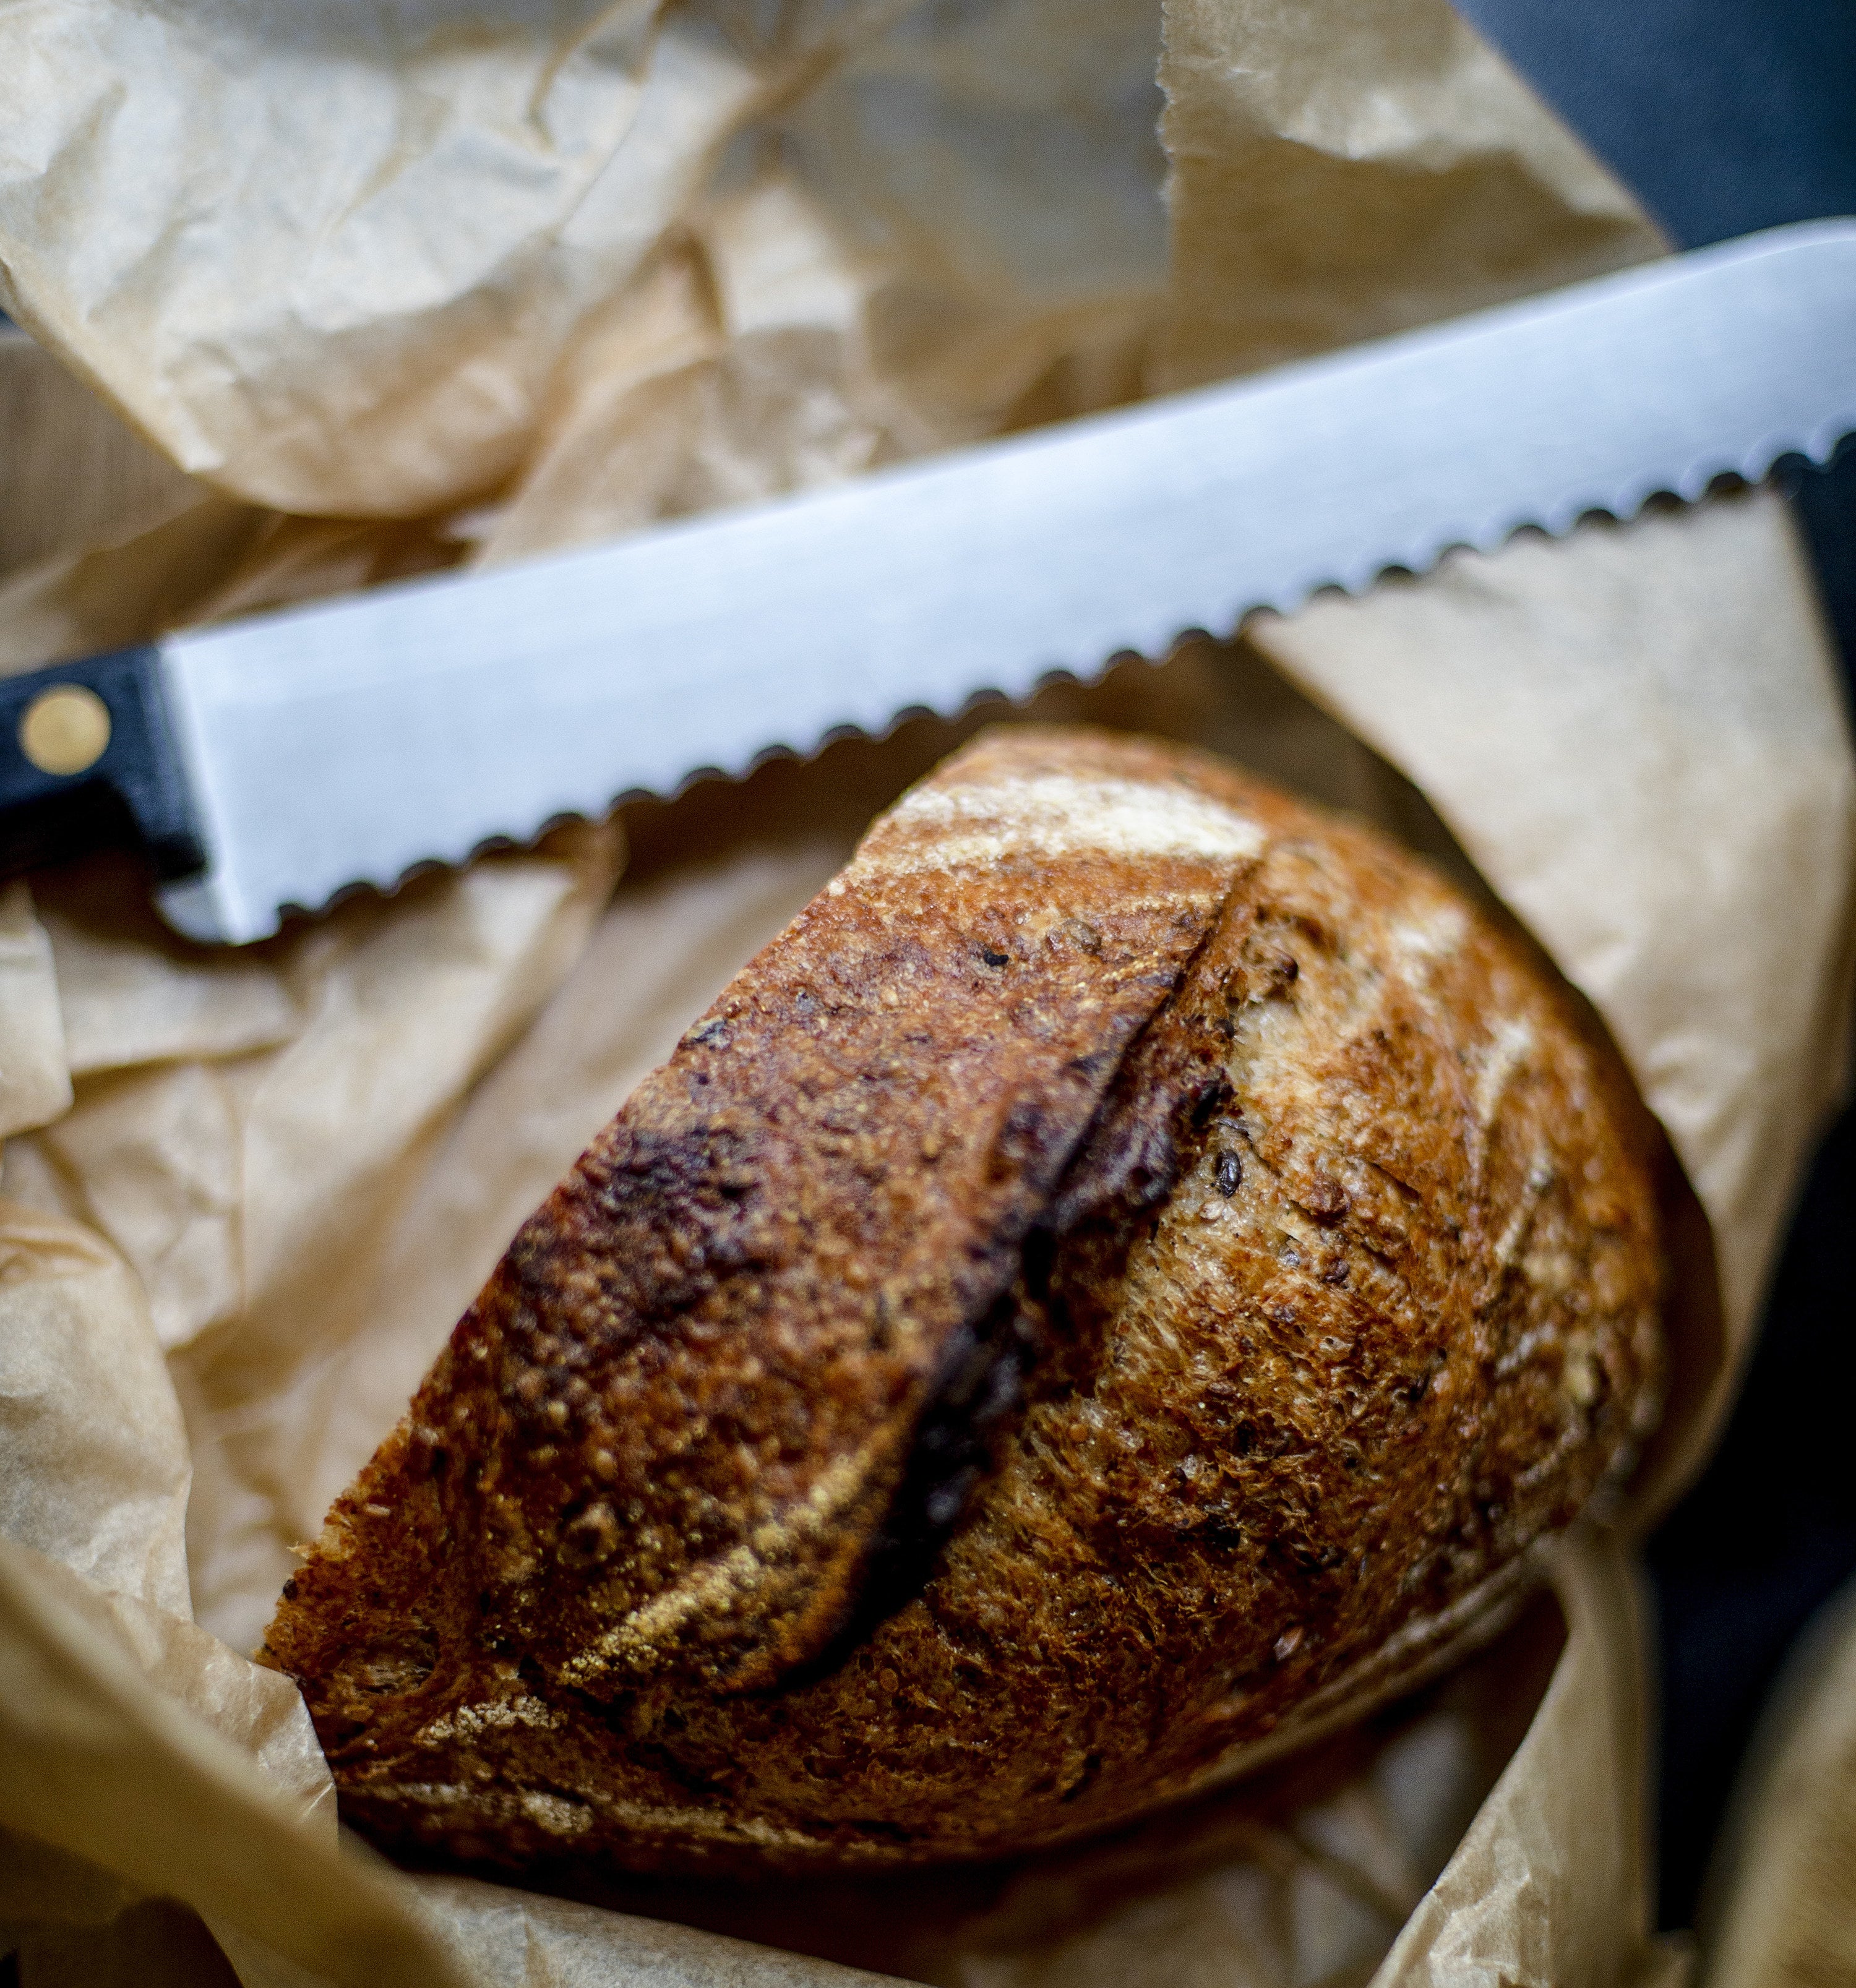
(1322, 1227)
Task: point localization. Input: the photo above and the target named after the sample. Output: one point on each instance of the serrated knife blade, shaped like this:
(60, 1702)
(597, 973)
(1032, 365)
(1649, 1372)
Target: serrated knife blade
(354, 741)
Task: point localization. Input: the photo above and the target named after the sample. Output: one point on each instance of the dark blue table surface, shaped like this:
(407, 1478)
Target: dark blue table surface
(1727, 115)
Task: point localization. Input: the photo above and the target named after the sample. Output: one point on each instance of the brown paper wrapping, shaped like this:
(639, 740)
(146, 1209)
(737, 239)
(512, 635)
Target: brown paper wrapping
(574, 268)
(1784, 1875)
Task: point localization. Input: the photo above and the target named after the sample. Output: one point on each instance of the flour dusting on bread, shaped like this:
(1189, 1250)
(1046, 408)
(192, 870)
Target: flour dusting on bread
(1054, 814)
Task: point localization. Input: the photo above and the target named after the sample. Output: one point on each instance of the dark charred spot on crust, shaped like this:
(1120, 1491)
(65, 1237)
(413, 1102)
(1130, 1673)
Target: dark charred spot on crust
(992, 958)
(677, 1210)
(1171, 1088)
(980, 1383)
(1130, 1165)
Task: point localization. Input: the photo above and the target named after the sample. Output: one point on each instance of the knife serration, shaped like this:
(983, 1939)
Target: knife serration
(352, 742)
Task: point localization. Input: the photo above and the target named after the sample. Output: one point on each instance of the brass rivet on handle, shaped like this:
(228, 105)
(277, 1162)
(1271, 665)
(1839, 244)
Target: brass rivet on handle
(65, 730)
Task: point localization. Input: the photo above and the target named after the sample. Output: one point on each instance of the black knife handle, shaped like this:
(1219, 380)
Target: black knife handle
(88, 760)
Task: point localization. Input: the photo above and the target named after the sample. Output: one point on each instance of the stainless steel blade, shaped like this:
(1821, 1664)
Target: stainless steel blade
(349, 743)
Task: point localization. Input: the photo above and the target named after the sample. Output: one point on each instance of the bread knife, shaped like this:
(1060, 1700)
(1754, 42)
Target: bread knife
(270, 765)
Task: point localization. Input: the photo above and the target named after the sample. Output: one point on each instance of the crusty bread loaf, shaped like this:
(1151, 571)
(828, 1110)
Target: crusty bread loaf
(1128, 1276)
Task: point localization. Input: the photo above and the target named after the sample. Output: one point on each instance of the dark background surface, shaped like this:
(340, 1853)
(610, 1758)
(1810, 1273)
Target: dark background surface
(1727, 115)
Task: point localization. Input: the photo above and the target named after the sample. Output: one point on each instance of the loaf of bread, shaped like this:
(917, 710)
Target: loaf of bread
(1130, 1276)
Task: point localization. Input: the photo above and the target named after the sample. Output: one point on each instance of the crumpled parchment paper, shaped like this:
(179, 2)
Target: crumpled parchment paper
(1783, 1877)
(570, 268)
